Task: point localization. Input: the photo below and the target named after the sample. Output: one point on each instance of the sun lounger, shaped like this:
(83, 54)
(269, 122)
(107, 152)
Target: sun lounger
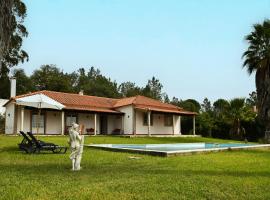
(26, 144)
(32, 145)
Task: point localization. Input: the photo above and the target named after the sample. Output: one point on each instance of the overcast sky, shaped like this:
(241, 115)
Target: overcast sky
(193, 47)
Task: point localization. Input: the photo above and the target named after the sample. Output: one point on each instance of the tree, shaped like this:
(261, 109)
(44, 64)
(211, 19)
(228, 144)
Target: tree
(220, 107)
(153, 89)
(237, 113)
(257, 59)
(5, 25)
(129, 89)
(252, 100)
(165, 98)
(24, 83)
(206, 105)
(12, 32)
(5, 84)
(49, 77)
(94, 83)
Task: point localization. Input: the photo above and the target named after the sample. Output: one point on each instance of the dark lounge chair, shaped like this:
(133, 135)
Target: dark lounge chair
(36, 146)
(26, 144)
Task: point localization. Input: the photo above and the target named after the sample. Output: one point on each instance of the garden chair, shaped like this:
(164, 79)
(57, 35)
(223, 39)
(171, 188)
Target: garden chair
(39, 145)
(26, 144)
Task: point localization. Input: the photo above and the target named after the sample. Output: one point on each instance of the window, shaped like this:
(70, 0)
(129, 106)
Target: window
(37, 121)
(168, 120)
(145, 119)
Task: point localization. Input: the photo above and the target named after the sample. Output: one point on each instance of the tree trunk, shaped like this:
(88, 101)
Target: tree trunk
(263, 95)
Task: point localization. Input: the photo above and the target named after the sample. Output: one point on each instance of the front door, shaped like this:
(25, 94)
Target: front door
(103, 124)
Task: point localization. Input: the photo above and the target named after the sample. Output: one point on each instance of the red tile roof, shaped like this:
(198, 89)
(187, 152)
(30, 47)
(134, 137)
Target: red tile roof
(109, 105)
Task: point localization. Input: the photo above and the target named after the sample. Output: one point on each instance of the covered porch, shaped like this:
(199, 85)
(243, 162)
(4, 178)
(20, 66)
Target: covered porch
(57, 122)
(155, 122)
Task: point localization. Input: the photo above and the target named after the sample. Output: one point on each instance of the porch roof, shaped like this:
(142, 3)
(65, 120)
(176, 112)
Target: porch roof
(162, 110)
(91, 109)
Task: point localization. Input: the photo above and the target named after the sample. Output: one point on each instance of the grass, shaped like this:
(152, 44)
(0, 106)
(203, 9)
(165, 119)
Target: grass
(113, 175)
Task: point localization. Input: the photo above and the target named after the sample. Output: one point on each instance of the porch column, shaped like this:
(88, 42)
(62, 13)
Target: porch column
(134, 122)
(22, 118)
(95, 124)
(62, 123)
(149, 121)
(173, 124)
(194, 131)
(180, 128)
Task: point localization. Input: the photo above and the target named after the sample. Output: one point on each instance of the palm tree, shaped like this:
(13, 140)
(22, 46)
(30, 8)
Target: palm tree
(257, 59)
(236, 112)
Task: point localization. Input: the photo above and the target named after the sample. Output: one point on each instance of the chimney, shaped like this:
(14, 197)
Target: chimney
(12, 87)
(81, 92)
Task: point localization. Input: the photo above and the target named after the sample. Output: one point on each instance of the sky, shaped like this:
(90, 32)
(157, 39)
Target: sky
(194, 47)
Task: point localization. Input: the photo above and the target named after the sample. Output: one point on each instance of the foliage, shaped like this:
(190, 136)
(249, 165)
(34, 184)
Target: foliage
(257, 59)
(153, 89)
(129, 89)
(94, 83)
(24, 83)
(49, 77)
(252, 99)
(5, 83)
(226, 119)
(12, 33)
(189, 104)
(206, 105)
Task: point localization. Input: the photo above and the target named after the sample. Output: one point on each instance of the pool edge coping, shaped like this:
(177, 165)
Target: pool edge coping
(178, 152)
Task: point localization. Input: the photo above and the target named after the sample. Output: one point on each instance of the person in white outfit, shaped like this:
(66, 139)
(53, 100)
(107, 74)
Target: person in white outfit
(76, 144)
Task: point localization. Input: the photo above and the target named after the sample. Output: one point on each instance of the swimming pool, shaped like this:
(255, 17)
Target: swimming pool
(177, 148)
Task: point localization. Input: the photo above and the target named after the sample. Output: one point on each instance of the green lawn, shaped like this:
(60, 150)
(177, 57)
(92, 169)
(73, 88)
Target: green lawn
(113, 175)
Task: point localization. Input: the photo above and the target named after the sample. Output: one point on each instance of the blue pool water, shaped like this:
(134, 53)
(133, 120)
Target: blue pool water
(173, 147)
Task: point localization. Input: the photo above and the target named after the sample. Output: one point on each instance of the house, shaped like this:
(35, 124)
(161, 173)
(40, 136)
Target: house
(136, 115)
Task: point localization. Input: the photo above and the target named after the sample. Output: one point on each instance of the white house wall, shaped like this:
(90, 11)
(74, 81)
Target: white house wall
(53, 122)
(128, 118)
(10, 117)
(158, 127)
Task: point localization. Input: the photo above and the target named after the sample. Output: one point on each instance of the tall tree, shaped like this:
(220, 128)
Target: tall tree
(206, 105)
(220, 107)
(49, 77)
(5, 84)
(237, 113)
(24, 83)
(257, 59)
(129, 89)
(252, 99)
(94, 83)
(5, 25)
(12, 32)
(153, 89)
